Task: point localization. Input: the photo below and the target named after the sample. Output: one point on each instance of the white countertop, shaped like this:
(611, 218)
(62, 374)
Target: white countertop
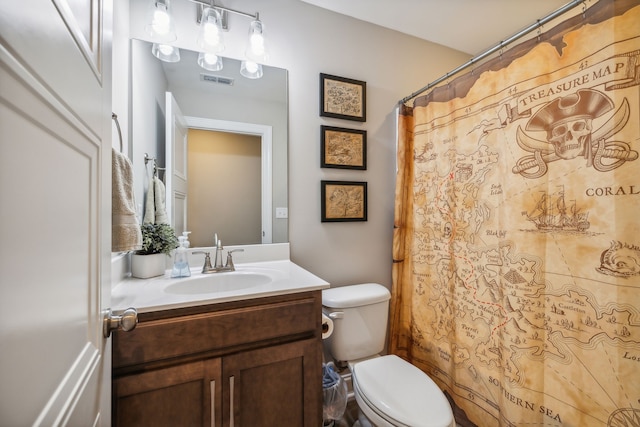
(159, 293)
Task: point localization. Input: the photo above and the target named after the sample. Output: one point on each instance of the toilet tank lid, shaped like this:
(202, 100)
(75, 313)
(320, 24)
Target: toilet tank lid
(355, 295)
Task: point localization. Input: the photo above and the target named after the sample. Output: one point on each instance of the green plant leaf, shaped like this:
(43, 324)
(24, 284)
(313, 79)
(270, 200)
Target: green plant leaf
(158, 239)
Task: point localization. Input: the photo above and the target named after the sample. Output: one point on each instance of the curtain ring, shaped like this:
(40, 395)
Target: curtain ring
(584, 9)
(539, 31)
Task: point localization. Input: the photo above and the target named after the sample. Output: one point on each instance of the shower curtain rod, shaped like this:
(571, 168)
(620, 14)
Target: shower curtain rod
(536, 25)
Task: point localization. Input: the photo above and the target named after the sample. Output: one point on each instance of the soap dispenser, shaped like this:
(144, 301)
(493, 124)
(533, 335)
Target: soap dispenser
(181, 260)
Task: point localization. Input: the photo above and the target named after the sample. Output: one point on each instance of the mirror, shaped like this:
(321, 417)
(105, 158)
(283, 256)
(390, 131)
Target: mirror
(222, 104)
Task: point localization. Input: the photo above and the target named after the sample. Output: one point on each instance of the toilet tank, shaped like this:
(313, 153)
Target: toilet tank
(359, 314)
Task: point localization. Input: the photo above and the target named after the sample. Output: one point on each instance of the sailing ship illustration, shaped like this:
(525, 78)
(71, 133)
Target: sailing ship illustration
(551, 213)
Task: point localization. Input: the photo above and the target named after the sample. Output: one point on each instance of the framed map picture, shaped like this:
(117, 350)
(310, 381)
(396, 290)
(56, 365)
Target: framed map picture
(343, 201)
(343, 98)
(343, 148)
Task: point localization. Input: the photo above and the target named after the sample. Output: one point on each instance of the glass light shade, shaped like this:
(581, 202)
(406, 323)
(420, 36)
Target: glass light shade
(210, 61)
(256, 50)
(251, 70)
(210, 36)
(160, 24)
(165, 52)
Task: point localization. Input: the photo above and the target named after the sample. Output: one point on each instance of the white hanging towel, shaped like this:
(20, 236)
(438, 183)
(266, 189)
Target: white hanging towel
(125, 230)
(150, 204)
(160, 201)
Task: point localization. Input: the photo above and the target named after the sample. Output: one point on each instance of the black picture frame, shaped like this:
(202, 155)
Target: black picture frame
(343, 201)
(343, 98)
(343, 148)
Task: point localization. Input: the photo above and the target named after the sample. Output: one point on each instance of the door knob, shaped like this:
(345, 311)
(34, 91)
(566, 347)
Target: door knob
(127, 321)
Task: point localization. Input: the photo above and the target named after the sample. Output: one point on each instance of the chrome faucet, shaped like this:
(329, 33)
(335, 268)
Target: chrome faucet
(218, 258)
(217, 265)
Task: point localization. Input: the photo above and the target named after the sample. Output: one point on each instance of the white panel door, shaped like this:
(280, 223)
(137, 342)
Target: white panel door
(55, 212)
(176, 159)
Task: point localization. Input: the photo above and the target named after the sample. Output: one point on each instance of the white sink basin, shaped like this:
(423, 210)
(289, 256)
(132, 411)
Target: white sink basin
(266, 276)
(218, 282)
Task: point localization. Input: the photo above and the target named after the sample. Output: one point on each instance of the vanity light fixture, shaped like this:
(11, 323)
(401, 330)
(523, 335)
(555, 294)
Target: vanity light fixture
(210, 36)
(210, 61)
(256, 50)
(212, 21)
(251, 69)
(159, 22)
(161, 29)
(255, 53)
(165, 52)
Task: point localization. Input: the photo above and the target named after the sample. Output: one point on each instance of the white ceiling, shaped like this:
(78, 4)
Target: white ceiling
(470, 26)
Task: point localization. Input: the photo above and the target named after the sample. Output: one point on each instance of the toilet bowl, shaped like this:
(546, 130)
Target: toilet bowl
(393, 393)
(389, 391)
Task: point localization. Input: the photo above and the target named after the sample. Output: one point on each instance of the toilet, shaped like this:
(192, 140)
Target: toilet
(389, 391)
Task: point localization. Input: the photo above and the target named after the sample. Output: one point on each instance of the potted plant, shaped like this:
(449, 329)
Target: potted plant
(158, 240)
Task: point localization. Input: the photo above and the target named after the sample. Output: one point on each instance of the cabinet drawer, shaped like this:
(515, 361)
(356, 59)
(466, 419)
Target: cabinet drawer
(217, 331)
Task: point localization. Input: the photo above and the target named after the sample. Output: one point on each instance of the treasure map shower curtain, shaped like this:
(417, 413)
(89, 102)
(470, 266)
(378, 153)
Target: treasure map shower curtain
(517, 231)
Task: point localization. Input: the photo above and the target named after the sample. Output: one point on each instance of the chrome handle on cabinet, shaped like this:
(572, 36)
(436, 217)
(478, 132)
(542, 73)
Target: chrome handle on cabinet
(127, 321)
(231, 384)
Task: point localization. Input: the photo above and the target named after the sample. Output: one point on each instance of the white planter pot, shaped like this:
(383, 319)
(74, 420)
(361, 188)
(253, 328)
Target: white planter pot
(145, 266)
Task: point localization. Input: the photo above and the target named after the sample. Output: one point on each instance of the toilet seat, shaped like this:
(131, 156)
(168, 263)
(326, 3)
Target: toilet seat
(400, 393)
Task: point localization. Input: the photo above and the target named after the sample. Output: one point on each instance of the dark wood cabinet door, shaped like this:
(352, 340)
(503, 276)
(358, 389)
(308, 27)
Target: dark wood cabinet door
(274, 386)
(185, 395)
(188, 367)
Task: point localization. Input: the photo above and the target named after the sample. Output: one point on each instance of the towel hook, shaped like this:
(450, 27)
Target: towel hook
(114, 117)
(147, 159)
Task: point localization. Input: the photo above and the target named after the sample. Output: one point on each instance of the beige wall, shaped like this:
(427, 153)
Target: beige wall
(215, 159)
(307, 41)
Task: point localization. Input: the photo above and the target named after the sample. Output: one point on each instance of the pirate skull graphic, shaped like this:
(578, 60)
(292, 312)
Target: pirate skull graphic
(570, 138)
(568, 123)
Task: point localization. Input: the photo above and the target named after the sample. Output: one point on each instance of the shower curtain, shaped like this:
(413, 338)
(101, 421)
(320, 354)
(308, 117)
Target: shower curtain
(516, 278)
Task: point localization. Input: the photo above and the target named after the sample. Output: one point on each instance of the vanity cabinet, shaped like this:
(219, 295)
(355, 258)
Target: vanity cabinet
(247, 363)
